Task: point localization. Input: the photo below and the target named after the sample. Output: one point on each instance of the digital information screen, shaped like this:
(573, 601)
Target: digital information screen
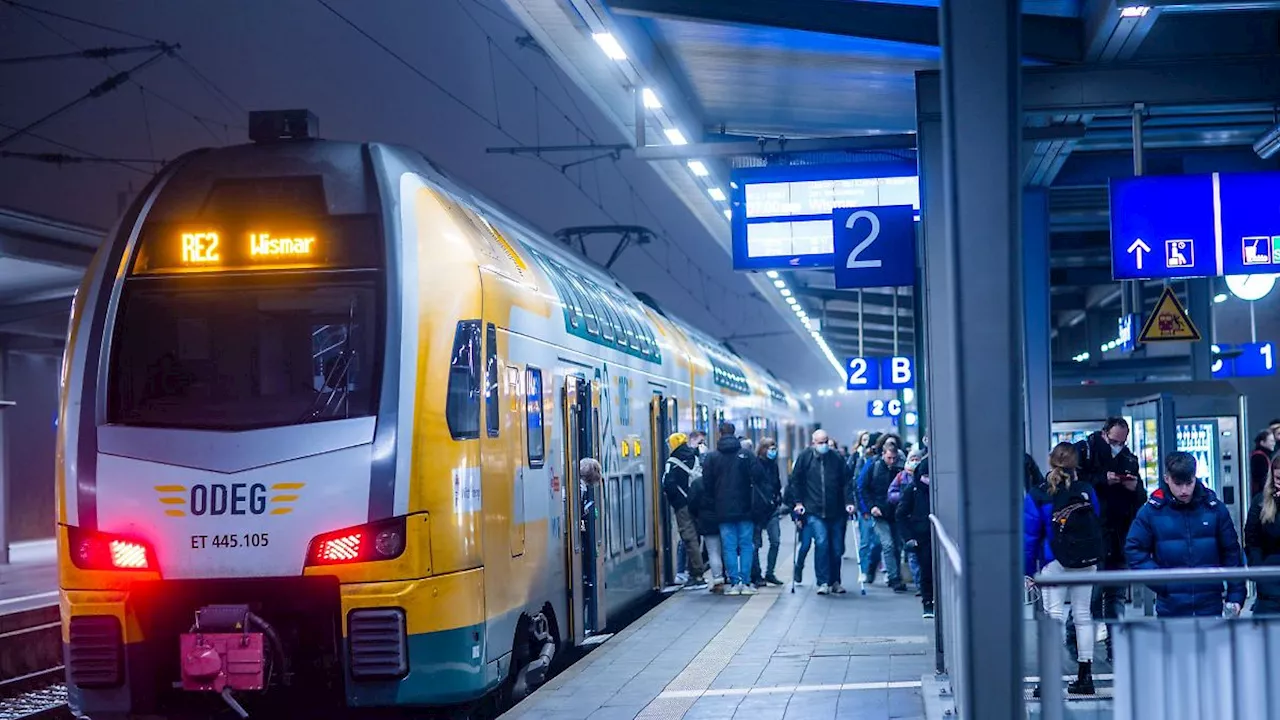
(349, 242)
(782, 216)
(1178, 226)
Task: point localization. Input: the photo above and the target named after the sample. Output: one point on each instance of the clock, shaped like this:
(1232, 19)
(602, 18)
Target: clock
(1250, 287)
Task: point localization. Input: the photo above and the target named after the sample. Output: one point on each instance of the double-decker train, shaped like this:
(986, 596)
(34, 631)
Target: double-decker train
(322, 418)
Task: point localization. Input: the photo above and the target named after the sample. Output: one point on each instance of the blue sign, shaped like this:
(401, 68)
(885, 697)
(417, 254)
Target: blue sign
(1222, 367)
(781, 216)
(1256, 360)
(884, 408)
(899, 372)
(1163, 227)
(875, 246)
(1250, 222)
(1125, 332)
(864, 373)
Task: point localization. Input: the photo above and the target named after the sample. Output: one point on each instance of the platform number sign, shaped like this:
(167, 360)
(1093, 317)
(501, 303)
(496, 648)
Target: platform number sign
(899, 372)
(874, 246)
(864, 373)
(884, 408)
(1257, 359)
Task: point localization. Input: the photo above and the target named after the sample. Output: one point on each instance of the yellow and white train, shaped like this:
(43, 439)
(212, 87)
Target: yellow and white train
(321, 398)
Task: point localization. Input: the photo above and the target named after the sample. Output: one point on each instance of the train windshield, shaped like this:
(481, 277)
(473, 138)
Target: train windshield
(236, 354)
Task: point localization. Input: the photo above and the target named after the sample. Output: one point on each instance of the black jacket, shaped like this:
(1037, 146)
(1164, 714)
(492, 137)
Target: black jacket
(1119, 505)
(1259, 471)
(913, 512)
(820, 482)
(731, 476)
(772, 488)
(875, 492)
(1262, 547)
(675, 480)
(1096, 460)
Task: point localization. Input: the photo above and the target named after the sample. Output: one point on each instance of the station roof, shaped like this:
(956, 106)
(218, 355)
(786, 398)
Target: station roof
(833, 81)
(41, 263)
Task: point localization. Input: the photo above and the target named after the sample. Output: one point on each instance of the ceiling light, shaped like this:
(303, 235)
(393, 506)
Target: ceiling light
(1135, 11)
(785, 292)
(716, 194)
(650, 99)
(675, 136)
(779, 283)
(728, 214)
(791, 301)
(807, 396)
(698, 168)
(609, 44)
(1220, 298)
(771, 274)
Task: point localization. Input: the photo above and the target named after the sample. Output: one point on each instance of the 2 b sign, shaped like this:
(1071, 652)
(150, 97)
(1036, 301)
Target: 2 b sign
(891, 373)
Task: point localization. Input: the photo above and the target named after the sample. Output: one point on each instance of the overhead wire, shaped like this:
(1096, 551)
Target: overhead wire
(79, 21)
(122, 162)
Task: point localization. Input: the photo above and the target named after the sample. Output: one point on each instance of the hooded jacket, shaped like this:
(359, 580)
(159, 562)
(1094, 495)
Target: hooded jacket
(820, 482)
(913, 509)
(1195, 534)
(675, 480)
(1037, 520)
(875, 490)
(731, 476)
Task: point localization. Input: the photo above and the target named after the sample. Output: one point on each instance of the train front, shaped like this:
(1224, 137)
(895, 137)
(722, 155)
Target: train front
(227, 462)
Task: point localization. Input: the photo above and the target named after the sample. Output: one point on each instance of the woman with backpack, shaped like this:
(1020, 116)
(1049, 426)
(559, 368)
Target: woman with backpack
(1063, 534)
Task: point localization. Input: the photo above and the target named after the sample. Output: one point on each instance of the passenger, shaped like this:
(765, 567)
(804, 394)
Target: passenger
(869, 550)
(702, 505)
(682, 467)
(818, 484)
(858, 456)
(1274, 426)
(913, 519)
(746, 443)
(1031, 475)
(1107, 463)
(1062, 534)
(1184, 525)
(732, 476)
(896, 490)
(768, 522)
(1262, 541)
(875, 497)
(1264, 447)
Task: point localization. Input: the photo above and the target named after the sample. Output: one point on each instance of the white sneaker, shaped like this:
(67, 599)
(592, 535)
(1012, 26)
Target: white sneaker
(838, 589)
(733, 590)
(682, 578)
(824, 589)
(746, 590)
(1100, 633)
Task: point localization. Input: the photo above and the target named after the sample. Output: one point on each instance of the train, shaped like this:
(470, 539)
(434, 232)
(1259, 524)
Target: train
(323, 412)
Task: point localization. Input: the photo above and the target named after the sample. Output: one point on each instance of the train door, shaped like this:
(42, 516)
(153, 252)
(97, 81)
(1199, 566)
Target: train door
(585, 555)
(662, 414)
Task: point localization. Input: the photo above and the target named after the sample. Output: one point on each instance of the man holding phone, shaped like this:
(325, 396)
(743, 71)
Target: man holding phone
(1111, 467)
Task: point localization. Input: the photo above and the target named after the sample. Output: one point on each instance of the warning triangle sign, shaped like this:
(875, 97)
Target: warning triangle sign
(1169, 322)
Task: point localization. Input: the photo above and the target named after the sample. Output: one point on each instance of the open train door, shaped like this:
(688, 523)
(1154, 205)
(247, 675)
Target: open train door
(662, 414)
(584, 554)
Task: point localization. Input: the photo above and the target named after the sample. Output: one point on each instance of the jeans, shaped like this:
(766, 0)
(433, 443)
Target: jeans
(715, 558)
(892, 558)
(738, 546)
(805, 541)
(1081, 598)
(869, 549)
(914, 561)
(924, 563)
(772, 530)
(828, 537)
(689, 540)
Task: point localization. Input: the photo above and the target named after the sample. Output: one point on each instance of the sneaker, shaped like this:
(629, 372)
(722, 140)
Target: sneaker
(1100, 633)
(746, 590)
(798, 575)
(838, 589)
(682, 578)
(757, 584)
(718, 589)
(928, 612)
(774, 581)
(733, 590)
(824, 589)
(918, 593)
(899, 588)
(695, 584)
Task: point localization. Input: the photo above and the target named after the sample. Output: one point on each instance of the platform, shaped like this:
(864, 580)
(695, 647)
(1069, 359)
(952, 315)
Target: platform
(30, 580)
(772, 656)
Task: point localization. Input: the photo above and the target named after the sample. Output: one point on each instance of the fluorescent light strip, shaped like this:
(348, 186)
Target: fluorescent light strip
(650, 99)
(698, 168)
(609, 44)
(675, 136)
(716, 194)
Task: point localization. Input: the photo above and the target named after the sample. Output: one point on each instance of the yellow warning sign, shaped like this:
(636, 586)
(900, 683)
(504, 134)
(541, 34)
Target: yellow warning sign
(1169, 322)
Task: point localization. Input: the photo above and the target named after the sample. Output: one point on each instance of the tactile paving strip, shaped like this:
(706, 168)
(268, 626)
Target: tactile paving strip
(698, 675)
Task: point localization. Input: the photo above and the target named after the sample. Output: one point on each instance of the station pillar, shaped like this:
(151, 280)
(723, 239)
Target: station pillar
(969, 122)
(1036, 349)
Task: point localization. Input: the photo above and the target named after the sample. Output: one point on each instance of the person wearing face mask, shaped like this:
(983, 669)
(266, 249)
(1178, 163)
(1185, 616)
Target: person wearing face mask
(897, 490)
(818, 486)
(1107, 463)
(767, 523)
(874, 496)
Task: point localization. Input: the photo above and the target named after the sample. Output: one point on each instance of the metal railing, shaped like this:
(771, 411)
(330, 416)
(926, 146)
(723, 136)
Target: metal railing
(949, 589)
(1174, 668)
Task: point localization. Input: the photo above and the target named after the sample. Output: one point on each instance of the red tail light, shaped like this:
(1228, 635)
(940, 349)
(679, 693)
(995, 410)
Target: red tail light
(101, 551)
(383, 540)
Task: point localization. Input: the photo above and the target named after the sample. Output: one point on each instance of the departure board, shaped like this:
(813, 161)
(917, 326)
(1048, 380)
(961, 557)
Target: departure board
(782, 216)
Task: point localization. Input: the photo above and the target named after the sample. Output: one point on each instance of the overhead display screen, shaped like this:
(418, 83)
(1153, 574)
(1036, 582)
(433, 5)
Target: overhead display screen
(782, 216)
(1179, 226)
(317, 243)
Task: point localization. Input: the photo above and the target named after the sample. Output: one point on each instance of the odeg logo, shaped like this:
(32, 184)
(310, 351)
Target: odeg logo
(228, 499)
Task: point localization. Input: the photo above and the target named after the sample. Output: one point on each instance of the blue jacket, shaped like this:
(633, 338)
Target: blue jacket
(1037, 515)
(1197, 534)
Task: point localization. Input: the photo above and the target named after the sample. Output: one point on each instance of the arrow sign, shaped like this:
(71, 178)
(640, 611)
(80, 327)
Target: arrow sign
(1136, 249)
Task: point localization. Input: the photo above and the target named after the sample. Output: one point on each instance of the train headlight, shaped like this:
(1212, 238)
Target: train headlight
(382, 540)
(389, 543)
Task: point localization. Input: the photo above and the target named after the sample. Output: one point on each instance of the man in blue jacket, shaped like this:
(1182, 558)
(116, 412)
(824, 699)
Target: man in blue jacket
(1185, 525)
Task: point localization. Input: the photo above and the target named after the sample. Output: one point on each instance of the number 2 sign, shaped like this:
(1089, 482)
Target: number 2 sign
(864, 373)
(874, 246)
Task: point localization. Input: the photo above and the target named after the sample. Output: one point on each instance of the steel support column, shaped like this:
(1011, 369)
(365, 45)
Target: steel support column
(1200, 308)
(1037, 356)
(974, 301)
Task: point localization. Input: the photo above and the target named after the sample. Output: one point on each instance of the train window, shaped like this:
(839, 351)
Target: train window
(491, 380)
(590, 313)
(568, 295)
(607, 324)
(640, 505)
(673, 414)
(462, 408)
(629, 322)
(702, 420)
(615, 514)
(237, 354)
(533, 416)
(624, 401)
(628, 515)
(617, 334)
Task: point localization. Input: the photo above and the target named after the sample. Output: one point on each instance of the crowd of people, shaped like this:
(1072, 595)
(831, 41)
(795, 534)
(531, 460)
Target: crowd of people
(729, 503)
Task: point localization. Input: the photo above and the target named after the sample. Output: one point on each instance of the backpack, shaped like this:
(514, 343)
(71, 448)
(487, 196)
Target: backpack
(1075, 532)
(668, 482)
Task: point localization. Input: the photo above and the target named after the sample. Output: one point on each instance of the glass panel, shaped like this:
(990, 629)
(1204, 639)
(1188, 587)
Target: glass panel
(628, 515)
(615, 515)
(491, 380)
(642, 502)
(533, 413)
